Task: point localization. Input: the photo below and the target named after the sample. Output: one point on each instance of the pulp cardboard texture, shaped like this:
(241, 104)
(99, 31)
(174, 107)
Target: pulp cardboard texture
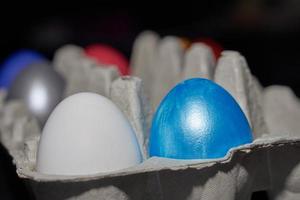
(135, 106)
(270, 163)
(199, 62)
(81, 73)
(234, 75)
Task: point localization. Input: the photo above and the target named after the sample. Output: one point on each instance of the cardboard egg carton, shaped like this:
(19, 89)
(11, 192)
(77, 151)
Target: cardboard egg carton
(81, 73)
(270, 163)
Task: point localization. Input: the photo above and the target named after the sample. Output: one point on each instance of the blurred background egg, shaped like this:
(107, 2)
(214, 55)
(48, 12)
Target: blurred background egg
(198, 119)
(15, 63)
(107, 55)
(87, 134)
(39, 87)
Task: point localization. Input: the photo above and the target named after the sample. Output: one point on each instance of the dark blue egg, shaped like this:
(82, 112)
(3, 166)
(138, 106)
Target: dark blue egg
(15, 64)
(198, 119)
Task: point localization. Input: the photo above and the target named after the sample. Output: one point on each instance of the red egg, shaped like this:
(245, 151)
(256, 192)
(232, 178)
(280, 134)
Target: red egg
(105, 54)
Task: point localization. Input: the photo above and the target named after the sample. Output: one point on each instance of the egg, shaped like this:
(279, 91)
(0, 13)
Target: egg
(39, 87)
(107, 55)
(198, 119)
(15, 63)
(87, 134)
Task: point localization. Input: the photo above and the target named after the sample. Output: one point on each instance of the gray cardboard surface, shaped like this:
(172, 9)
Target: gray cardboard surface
(81, 73)
(234, 75)
(282, 111)
(143, 54)
(168, 70)
(199, 61)
(127, 92)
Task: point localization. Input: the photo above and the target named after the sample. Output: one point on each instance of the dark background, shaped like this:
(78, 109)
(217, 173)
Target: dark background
(266, 32)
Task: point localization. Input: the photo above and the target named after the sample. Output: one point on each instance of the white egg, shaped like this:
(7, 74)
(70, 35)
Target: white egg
(86, 134)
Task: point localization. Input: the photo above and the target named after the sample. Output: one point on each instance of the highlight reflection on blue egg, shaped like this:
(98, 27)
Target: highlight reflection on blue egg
(198, 119)
(15, 64)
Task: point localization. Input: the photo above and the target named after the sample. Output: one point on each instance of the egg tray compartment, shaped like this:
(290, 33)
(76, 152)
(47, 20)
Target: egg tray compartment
(244, 170)
(265, 164)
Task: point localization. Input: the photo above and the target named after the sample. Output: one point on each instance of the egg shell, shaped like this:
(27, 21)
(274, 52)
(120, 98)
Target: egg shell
(198, 119)
(107, 55)
(15, 63)
(86, 134)
(40, 87)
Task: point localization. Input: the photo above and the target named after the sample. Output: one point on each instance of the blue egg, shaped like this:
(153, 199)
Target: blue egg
(198, 119)
(15, 64)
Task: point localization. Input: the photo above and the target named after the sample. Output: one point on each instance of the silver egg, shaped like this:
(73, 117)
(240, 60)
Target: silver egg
(40, 88)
